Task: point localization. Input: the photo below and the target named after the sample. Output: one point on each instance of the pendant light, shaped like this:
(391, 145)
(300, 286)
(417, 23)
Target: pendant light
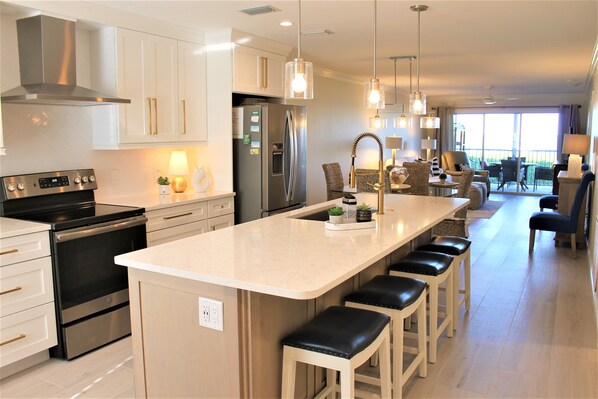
(377, 122)
(299, 79)
(374, 92)
(417, 100)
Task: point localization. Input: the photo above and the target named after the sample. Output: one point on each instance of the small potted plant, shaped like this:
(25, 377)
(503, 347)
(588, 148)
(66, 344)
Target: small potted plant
(442, 178)
(335, 215)
(364, 213)
(163, 185)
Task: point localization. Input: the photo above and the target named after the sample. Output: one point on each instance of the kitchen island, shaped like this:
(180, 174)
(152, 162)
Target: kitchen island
(272, 276)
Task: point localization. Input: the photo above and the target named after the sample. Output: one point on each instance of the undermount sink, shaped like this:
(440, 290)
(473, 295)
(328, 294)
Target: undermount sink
(321, 215)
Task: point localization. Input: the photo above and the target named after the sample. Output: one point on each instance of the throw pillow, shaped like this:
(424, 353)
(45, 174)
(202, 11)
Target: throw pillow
(434, 166)
(462, 166)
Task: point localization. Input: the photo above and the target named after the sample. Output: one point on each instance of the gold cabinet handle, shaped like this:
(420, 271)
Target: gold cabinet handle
(8, 341)
(10, 290)
(265, 73)
(10, 251)
(156, 113)
(183, 103)
(213, 228)
(149, 106)
(177, 216)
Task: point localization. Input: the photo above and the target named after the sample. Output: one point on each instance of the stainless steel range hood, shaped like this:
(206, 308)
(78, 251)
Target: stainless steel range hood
(48, 66)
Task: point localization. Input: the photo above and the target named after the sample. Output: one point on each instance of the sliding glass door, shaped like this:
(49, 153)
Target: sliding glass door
(517, 148)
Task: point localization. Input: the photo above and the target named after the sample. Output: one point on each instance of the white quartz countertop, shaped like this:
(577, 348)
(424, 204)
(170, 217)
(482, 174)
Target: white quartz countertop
(293, 258)
(153, 201)
(14, 227)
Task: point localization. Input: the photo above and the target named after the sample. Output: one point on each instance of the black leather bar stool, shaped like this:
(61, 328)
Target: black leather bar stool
(340, 338)
(435, 269)
(459, 248)
(399, 298)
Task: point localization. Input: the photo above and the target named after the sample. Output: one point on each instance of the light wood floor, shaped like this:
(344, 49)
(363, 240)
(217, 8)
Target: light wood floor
(531, 331)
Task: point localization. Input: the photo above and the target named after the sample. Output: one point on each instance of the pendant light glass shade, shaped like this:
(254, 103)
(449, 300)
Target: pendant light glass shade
(377, 122)
(374, 91)
(299, 80)
(374, 94)
(429, 122)
(417, 103)
(299, 74)
(402, 121)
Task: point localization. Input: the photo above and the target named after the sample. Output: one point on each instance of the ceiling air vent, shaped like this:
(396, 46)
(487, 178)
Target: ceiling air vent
(259, 10)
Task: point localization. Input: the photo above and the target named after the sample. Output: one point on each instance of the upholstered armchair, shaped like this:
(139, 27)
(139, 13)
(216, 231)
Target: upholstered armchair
(451, 161)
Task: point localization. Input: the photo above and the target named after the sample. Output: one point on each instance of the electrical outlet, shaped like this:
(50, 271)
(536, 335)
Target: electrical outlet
(210, 314)
(114, 176)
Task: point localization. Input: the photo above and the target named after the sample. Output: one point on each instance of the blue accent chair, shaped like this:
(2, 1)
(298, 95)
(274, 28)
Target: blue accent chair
(559, 222)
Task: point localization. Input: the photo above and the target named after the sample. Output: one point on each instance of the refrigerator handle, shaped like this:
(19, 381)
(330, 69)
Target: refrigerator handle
(295, 156)
(288, 134)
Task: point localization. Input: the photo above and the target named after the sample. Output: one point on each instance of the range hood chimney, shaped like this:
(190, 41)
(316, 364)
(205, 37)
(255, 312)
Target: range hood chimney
(48, 66)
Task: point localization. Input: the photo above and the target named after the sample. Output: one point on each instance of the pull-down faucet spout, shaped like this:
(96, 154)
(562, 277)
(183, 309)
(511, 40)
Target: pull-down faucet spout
(379, 187)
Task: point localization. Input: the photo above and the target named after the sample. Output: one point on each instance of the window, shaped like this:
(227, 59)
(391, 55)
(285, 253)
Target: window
(527, 137)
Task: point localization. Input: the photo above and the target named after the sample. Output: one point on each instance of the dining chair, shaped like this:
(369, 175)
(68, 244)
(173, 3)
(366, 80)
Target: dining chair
(419, 177)
(457, 225)
(366, 178)
(560, 222)
(334, 180)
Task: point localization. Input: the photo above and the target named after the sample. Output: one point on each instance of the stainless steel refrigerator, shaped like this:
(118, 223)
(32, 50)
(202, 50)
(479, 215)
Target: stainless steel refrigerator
(269, 145)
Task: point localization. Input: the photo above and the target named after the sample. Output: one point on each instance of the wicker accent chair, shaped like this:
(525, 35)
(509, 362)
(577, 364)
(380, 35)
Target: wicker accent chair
(457, 226)
(419, 176)
(366, 178)
(334, 180)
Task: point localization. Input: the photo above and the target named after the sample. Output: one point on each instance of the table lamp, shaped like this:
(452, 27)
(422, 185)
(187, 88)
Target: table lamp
(394, 142)
(428, 144)
(178, 167)
(575, 145)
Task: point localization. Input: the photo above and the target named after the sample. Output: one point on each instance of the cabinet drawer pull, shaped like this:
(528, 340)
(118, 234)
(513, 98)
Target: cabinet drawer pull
(213, 228)
(178, 216)
(183, 102)
(265, 73)
(10, 251)
(11, 290)
(8, 341)
(149, 106)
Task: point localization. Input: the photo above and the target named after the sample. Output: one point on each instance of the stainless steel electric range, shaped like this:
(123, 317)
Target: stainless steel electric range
(91, 291)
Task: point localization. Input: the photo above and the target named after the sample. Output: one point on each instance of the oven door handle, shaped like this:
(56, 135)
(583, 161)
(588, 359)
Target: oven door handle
(100, 228)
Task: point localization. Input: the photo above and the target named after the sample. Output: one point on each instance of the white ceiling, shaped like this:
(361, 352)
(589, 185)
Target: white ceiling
(523, 48)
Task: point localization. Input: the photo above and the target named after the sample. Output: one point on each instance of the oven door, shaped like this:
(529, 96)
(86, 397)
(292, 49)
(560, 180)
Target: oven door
(87, 280)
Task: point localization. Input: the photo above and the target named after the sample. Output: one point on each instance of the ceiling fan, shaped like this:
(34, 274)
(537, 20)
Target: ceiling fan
(490, 99)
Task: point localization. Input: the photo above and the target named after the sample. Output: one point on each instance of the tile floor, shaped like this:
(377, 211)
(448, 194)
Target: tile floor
(531, 331)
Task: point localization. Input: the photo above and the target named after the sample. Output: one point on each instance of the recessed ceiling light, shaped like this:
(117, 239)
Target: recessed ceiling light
(286, 23)
(266, 8)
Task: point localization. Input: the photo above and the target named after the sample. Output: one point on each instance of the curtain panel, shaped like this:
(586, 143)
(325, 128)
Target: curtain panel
(446, 136)
(568, 123)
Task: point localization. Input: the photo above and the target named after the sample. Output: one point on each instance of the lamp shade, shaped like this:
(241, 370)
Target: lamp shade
(428, 144)
(394, 142)
(576, 144)
(178, 164)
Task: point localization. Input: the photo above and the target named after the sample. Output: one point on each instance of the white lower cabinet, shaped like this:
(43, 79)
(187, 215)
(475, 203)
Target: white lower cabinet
(185, 220)
(27, 315)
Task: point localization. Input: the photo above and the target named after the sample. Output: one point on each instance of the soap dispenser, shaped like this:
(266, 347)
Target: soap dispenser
(349, 208)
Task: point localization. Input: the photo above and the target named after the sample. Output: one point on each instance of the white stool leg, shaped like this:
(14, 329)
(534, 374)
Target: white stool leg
(456, 282)
(347, 382)
(289, 367)
(397, 358)
(385, 368)
(467, 271)
(331, 382)
(450, 304)
(433, 295)
(421, 338)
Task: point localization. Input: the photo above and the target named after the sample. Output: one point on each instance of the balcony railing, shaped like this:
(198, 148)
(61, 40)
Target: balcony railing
(540, 158)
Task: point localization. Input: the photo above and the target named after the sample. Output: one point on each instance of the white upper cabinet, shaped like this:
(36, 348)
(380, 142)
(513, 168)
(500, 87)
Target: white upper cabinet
(165, 81)
(258, 72)
(192, 92)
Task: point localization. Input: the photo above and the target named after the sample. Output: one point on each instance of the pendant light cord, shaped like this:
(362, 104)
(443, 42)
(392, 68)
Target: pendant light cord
(395, 60)
(418, 45)
(299, 34)
(375, 32)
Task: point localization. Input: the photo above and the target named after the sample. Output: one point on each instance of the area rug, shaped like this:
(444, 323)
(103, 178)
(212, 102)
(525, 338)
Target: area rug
(486, 211)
